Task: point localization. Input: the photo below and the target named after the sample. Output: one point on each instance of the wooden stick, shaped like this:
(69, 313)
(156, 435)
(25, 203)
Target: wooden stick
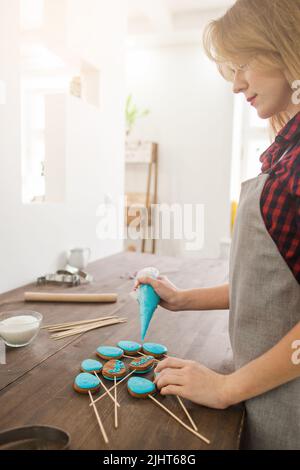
(61, 326)
(155, 358)
(179, 420)
(82, 322)
(98, 419)
(107, 391)
(74, 323)
(63, 297)
(187, 413)
(86, 328)
(71, 328)
(112, 388)
(116, 409)
(77, 331)
(91, 325)
(183, 405)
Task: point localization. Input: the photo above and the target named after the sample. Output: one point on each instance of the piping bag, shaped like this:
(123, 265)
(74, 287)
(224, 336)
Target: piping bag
(147, 298)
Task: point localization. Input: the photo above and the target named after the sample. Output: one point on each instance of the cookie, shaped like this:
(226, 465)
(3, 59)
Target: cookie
(109, 352)
(139, 387)
(90, 365)
(156, 350)
(114, 368)
(142, 365)
(85, 383)
(130, 347)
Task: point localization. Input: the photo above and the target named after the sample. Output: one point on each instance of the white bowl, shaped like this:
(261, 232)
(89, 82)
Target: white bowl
(19, 328)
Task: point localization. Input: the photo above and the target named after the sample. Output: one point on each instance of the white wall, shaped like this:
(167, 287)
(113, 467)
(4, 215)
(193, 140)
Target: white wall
(191, 119)
(33, 238)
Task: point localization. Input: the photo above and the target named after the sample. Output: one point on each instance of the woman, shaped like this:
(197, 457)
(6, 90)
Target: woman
(256, 45)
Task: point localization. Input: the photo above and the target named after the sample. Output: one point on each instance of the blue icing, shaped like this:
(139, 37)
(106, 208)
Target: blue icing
(130, 346)
(144, 371)
(112, 378)
(154, 348)
(87, 381)
(148, 300)
(90, 365)
(142, 361)
(110, 351)
(119, 366)
(140, 386)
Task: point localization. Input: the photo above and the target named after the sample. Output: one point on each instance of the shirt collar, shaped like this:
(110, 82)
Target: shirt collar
(288, 134)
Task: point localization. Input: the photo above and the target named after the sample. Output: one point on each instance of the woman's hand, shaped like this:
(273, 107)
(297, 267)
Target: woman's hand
(191, 380)
(169, 294)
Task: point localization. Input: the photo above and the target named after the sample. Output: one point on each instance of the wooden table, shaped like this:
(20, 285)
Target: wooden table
(36, 383)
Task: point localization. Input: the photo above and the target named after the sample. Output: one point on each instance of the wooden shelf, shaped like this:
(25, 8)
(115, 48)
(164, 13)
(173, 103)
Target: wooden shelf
(146, 153)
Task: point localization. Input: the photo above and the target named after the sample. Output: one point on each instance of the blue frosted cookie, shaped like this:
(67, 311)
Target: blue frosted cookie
(114, 368)
(142, 365)
(90, 365)
(130, 347)
(86, 382)
(156, 350)
(109, 352)
(139, 387)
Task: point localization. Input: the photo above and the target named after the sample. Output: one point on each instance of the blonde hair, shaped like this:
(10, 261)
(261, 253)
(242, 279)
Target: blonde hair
(267, 30)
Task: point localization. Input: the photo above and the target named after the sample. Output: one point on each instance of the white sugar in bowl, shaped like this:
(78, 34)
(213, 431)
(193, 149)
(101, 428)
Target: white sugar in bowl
(19, 328)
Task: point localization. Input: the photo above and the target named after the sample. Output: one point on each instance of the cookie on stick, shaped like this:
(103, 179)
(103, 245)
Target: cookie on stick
(138, 387)
(86, 383)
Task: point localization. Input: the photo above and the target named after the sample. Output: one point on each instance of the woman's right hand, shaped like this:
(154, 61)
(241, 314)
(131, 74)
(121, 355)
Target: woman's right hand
(167, 291)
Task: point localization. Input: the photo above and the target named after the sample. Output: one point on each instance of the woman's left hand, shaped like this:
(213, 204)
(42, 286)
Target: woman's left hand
(191, 380)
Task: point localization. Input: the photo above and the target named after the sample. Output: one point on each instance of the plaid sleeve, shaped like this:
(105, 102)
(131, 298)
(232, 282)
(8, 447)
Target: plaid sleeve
(294, 181)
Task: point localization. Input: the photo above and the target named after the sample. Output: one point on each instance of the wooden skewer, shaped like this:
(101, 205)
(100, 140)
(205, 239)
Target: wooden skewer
(182, 404)
(107, 391)
(142, 354)
(130, 357)
(76, 323)
(77, 331)
(98, 419)
(116, 409)
(112, 388)
(82, 327)
(85, 328)
(92, 325)
(179, 420)
(187, 413)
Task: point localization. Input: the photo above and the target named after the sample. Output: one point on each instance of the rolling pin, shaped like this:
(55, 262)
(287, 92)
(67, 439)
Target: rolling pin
(80, 298)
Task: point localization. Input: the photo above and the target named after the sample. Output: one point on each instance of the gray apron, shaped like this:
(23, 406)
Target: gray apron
(264, 307)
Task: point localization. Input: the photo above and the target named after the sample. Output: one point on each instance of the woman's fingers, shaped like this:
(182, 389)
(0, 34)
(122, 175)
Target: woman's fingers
(147, 280)
(171, 390)
(171, 362)
(169, 378)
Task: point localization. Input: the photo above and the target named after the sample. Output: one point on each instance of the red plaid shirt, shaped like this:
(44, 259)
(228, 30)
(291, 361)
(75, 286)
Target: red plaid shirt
(280, 201)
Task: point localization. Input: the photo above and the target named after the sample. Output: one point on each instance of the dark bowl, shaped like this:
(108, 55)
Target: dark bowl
(34, 438)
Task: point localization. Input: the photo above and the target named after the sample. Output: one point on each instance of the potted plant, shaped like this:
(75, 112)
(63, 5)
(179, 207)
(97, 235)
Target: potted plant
(132, 114)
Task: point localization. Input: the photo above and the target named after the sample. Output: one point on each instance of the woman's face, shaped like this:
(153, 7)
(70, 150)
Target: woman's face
(267, 91)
